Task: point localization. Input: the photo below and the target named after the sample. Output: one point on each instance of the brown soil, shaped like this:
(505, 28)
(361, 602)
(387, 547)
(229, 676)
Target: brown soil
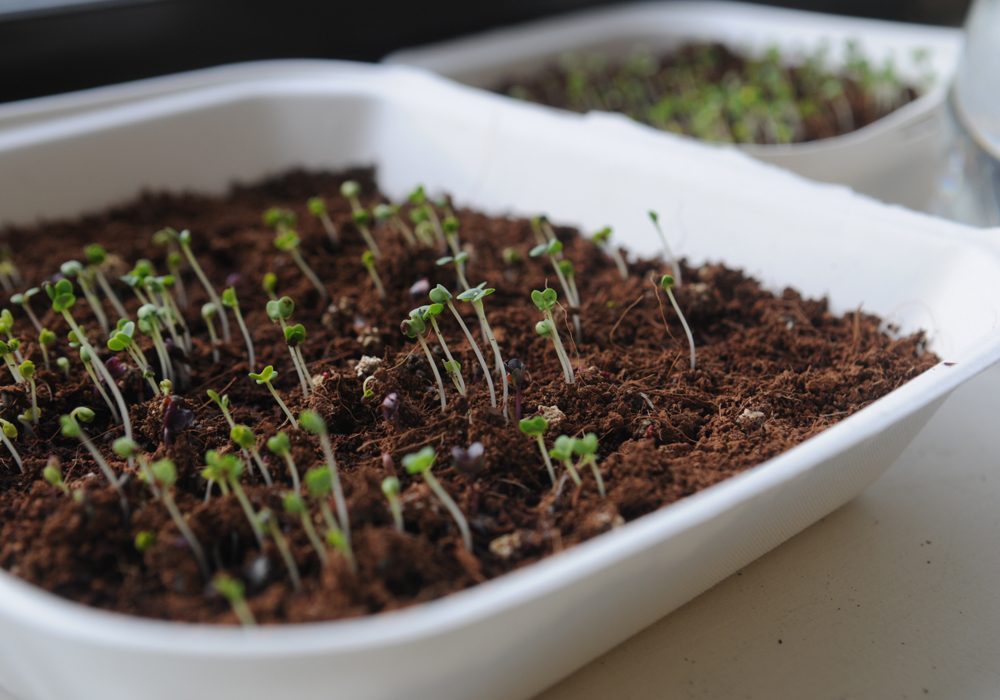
(772, 371)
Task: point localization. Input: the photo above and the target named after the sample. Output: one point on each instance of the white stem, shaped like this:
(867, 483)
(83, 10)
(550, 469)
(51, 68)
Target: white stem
(13, 450)
(545, 456)
(479, 353)
(298, 371)
(560, 350)
(310, 275)
(110, 293)
(447, 353)
(295, 423)
(246, 338)
(338, 491)
(452, 507)
(498, 359)
(213, 337)
(208, 288)
(684, 323)
(437, 375)
(97, 382)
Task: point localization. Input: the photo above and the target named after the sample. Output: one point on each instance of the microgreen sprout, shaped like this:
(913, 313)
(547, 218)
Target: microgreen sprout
(88, 365)
(368, 260)
(46, 339)
(223, 404)
(173, 261)
(366, 393)
(170, 313)
(27, 370)
(563, 451)
(319, 483)
(8, 358)
(73, 268)
(24, 301)
(475, 296)
(281, 446)
(351, 190)
(459, 260)
(52, 473)
(586, 447)
(227, 469)
(288, 242)
(440, 295)
(123, 447)
(63, 300)
(314, 423)
(452, 366)
(209, 310)
(535, 427)
(390, 489)
(294, 505)
(279, 311)
(317, 207)
(603, 240)
(565, 272)
(149, 323)
(144, 539)
(71, 428)
(414, 327)
(267, 520)
(244, 437)
(655, 218)
(265, 377)
(63, 364)
(123, 339)
(7, 328)
(421, 463)
(269, 284)
(516, 376)
(545, 301)
(667, 283)
(390, 213)
(229, 299)
(97, 256)
(511, 256)
(26, 419)
(184, 240)
(233, 591)
(8, 431)
(419, 200)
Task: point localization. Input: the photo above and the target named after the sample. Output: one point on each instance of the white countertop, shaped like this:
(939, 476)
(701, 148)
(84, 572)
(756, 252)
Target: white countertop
(895, 595)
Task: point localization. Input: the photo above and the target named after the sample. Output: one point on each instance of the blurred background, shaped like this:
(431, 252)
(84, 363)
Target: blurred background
(53, 46)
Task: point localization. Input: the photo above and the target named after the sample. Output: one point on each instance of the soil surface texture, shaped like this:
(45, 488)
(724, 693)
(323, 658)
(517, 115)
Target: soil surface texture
(771, 372)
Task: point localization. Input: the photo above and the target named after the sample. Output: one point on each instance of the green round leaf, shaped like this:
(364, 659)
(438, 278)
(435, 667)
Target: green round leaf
(533, 426)
(419, 462)
(313, 422)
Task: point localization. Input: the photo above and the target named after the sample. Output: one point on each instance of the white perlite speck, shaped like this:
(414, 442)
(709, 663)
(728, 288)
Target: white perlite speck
(367, 365)
(551, 414)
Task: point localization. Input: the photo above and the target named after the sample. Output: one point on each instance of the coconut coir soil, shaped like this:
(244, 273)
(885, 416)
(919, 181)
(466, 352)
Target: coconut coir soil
(710, 64)
(772, 371)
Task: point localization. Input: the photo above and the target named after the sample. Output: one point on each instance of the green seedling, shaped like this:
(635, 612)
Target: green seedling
(265, 377)
(459, 260)
(123, 447)
(71, 429)
(390, 214)
(269, 284)
(414, 327)
(288, 242)
(8, 431)
(511, 256)
(233, 591)
(586, 447)
(667, 283)
(294, 505)
(52, 473)
(351, 190)
(419, 200)
(563, 452)
(545, 301)
(655, 218)
(88, 365)
(423, 228)
(475, 296)
(8, 357)
(208, 311)
(553, 249)
(535, 427)
(317, 207)
(269, 521)
(46, 339)
(27, 370)
(173, 260)
(368, 260)
(281, 446)
(29, 417)
(184, 240)
(74, 268)
(223, 404)
(96, 257)
(366, 393)
(149, 323)
(63, 364)
(280, 311)
(602, 239)
(390, 489)
(430, 313)
(319, 483)
(312, 422)
(166, 387)
(123, 339)
(63, 300)
(144, 539)
(169, 312)
(6, 327)
(421, 463)
(244, 437)
(229, 300)
(226, 469)
(24, 301)
(440, 295)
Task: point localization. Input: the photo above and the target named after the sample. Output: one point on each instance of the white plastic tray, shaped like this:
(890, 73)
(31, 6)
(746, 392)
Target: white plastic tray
(511, 637)
(896, 159)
